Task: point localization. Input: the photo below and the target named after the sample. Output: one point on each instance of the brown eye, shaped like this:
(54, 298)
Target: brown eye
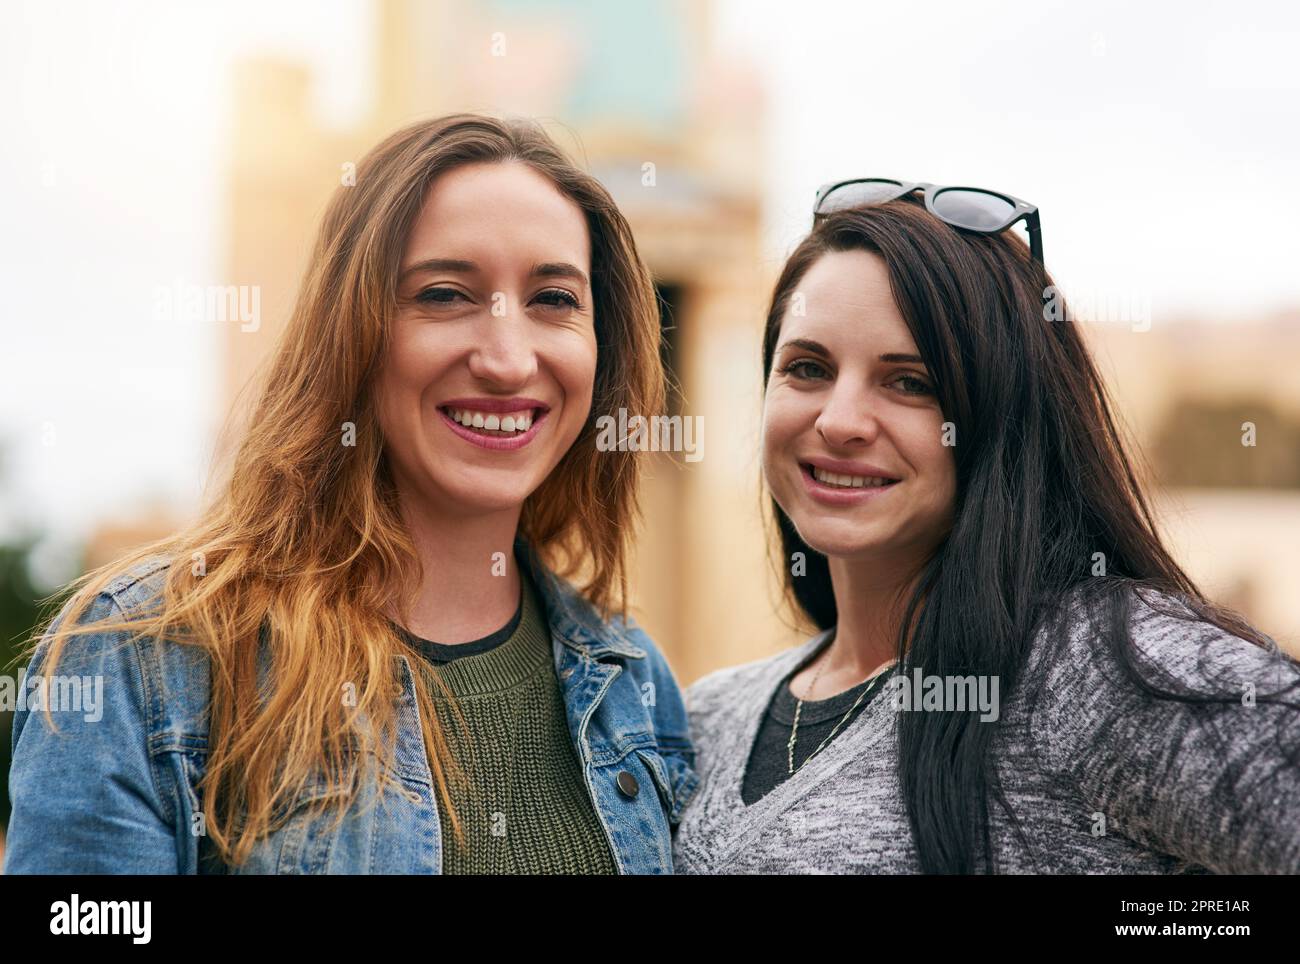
(800, 370)
(557, 298)
(921, 386)
(438, 296)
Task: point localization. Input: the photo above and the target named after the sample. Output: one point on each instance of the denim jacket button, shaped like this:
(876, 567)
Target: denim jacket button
(627, 784)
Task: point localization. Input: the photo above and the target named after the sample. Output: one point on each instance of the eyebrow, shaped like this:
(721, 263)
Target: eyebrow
(547, 269)
(817, 348)
(559, 269)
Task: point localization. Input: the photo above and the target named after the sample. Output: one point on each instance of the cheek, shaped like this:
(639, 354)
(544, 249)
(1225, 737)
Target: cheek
(407, 366)
(574, 361)
(573, 365)
(783, 422)
(783, 417)
(410, 367)
(932, 459)
(396, 416)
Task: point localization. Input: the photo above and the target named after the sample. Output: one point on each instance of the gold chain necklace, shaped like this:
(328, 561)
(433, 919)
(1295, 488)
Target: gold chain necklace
(794, 730)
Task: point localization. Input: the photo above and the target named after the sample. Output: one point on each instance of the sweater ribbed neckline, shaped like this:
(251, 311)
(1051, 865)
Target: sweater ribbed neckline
(506, 666)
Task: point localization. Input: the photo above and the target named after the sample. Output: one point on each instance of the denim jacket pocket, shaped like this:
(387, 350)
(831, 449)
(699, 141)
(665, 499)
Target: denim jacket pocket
(675, 779)
(307, 838)
(303, 835)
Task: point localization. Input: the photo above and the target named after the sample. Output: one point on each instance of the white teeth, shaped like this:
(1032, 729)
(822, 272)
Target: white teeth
(492, 422)
(849, 481)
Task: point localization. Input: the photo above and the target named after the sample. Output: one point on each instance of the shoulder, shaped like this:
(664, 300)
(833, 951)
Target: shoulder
(636, 637)
(140, 585)
(1122, 653)
(92, 643)
(643, 657)
(569, 612)
(125, 594)
(1165, 629)
(1198, 655)
(709, 690)
(718, 689)
(168, 681)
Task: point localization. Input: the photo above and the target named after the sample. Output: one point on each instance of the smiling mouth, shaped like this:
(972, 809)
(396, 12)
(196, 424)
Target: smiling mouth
(493, 424)
(835, 480)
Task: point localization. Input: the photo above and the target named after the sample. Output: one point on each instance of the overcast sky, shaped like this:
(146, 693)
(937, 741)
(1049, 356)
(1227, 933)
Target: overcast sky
(1159, 140)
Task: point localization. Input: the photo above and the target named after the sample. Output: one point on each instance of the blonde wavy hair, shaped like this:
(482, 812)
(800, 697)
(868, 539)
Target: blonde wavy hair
(304, 539)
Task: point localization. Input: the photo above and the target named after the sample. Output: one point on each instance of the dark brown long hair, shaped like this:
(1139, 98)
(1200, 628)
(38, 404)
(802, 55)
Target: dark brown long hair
(1044, 482)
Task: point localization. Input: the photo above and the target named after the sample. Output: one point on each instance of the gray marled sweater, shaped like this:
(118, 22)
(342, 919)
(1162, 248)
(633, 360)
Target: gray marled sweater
(1102, 777)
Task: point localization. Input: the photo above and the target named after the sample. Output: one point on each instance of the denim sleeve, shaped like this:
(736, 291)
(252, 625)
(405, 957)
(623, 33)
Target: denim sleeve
(86, 797)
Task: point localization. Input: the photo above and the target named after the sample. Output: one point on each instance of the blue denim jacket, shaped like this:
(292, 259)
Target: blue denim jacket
(114, 790)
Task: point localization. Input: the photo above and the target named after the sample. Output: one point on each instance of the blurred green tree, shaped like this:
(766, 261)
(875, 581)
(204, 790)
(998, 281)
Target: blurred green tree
(20, 611)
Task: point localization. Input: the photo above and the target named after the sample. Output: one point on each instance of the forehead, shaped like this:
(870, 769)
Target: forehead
(846, 300)
(490, 211)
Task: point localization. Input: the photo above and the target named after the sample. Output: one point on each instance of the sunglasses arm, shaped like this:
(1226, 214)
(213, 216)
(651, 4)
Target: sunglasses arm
(1035, 237)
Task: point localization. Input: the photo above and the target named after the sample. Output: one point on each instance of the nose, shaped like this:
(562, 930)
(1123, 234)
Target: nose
(505, 354)
(847, 419)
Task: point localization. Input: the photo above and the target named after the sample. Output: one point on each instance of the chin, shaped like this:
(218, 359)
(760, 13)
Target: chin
(484, 504)
(474, 493)
(839, 539)
(844, 548)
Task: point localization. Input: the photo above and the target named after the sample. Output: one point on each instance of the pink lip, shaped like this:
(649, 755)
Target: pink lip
(502, 443)
(516, 404)
(835, 495)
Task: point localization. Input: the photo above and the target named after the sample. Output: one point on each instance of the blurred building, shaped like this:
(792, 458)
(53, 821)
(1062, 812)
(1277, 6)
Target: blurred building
(1215, 407)
(644, 83)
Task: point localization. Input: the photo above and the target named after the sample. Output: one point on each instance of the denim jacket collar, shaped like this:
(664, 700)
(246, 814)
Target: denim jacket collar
(572, 618)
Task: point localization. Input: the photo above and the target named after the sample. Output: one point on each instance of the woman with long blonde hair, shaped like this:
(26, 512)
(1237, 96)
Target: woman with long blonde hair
(366, 656)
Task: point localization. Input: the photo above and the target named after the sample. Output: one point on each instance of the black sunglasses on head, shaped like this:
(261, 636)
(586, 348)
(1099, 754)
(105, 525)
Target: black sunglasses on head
(968, 208)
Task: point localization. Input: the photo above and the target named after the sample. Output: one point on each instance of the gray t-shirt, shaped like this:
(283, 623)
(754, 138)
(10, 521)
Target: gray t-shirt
(1102, 777)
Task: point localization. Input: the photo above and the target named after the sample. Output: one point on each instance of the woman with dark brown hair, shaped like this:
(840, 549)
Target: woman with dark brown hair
(1009, 672)
(360, 659)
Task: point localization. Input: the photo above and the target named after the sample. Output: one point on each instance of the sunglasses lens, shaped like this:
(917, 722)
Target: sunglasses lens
(973, 209)
(858, 194)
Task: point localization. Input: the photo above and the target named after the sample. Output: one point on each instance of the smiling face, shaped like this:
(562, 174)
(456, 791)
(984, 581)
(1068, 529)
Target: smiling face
(852, 431)
(491, 363)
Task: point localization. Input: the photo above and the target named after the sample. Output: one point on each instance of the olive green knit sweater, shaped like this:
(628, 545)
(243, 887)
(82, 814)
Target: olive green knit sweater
(525, 808)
